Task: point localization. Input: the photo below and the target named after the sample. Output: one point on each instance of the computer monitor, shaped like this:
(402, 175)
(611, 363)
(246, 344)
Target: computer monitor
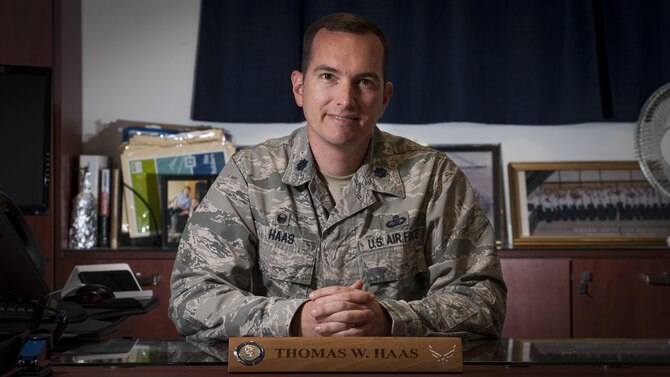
(25, 145)
(21, 261)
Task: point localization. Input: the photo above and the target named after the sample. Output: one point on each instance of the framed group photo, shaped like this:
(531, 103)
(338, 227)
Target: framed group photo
(481, 164)
(585, 203)
(180, 196)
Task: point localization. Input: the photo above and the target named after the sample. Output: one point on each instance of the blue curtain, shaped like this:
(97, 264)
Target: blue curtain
(499, 62)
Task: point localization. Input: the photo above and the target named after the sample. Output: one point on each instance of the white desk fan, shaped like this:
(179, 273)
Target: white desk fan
(652, 141)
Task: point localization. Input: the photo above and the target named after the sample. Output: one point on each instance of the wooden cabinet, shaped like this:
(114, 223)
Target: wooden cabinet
(546, 296)
(154, 324)
(587, 293)
(618, 301)
(538, 297)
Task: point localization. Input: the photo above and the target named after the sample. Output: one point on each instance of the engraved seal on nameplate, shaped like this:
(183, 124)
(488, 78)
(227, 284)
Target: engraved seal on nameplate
(442, 358)
(249, 353)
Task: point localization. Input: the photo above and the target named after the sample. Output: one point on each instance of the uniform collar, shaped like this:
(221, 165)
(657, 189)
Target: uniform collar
(301, 166)
(379, 171)
(380, 168)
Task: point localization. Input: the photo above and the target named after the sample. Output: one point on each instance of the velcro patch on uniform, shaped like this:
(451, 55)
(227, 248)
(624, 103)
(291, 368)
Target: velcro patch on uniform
(385, 239)
(281, 235)
(281, 219)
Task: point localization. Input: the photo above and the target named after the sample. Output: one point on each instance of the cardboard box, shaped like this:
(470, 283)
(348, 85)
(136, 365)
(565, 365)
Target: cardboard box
(145, 158)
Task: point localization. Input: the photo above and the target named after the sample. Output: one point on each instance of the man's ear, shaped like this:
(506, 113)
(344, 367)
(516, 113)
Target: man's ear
(388, 92)
(297, 84)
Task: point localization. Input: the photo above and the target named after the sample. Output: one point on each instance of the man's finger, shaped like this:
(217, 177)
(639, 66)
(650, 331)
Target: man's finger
(341, 312)
(342, 329)
(345, 293)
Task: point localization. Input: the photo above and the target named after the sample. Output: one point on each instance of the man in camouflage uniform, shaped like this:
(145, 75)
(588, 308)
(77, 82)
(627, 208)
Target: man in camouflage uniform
(339, 229)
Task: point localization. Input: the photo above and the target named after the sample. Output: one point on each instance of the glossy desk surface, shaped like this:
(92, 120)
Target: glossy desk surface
(508, 352)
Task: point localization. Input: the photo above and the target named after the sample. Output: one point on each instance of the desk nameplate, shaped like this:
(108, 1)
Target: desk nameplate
(345, 354)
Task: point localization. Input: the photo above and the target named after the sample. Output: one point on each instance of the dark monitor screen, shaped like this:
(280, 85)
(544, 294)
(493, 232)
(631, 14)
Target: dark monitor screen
(21, 261)
(25, 128)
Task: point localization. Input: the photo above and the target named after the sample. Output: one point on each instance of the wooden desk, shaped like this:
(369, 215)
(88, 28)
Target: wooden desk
(468, 370)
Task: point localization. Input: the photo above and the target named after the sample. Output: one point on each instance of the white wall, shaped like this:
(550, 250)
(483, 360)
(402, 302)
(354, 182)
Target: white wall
(139, 62)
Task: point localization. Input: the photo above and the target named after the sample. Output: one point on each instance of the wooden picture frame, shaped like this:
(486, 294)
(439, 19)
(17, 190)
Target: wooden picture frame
(482, 165)
(175, 216)
(585, 203)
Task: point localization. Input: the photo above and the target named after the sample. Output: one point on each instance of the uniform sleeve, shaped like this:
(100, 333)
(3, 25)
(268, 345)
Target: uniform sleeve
(466, 294)
(214, 271)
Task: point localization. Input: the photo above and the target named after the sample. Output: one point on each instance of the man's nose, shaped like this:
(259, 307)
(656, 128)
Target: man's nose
(346, 94)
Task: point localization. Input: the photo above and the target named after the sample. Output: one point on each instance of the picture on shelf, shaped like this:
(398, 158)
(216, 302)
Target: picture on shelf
(180, 196)
(481, 165)
(585, 203)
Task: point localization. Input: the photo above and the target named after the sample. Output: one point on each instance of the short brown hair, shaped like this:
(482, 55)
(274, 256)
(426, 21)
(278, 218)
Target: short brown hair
(343, 22)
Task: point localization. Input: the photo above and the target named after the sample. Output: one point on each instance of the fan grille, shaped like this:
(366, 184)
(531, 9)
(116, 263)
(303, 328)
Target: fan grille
(653, 124)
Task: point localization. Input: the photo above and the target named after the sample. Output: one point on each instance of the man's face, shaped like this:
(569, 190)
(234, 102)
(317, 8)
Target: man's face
(342, 92)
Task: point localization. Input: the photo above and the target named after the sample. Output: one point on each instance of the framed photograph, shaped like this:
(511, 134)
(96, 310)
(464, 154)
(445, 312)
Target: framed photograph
(582, 203)
(180, 196)
(481, 163)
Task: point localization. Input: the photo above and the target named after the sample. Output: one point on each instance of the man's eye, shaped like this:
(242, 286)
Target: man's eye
(367, 83)
(327, 76)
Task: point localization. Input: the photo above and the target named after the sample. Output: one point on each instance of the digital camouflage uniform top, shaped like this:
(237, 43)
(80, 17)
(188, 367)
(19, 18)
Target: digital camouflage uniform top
(267, 234)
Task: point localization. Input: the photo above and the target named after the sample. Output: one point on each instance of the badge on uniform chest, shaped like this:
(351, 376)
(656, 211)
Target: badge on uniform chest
(392, 238)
